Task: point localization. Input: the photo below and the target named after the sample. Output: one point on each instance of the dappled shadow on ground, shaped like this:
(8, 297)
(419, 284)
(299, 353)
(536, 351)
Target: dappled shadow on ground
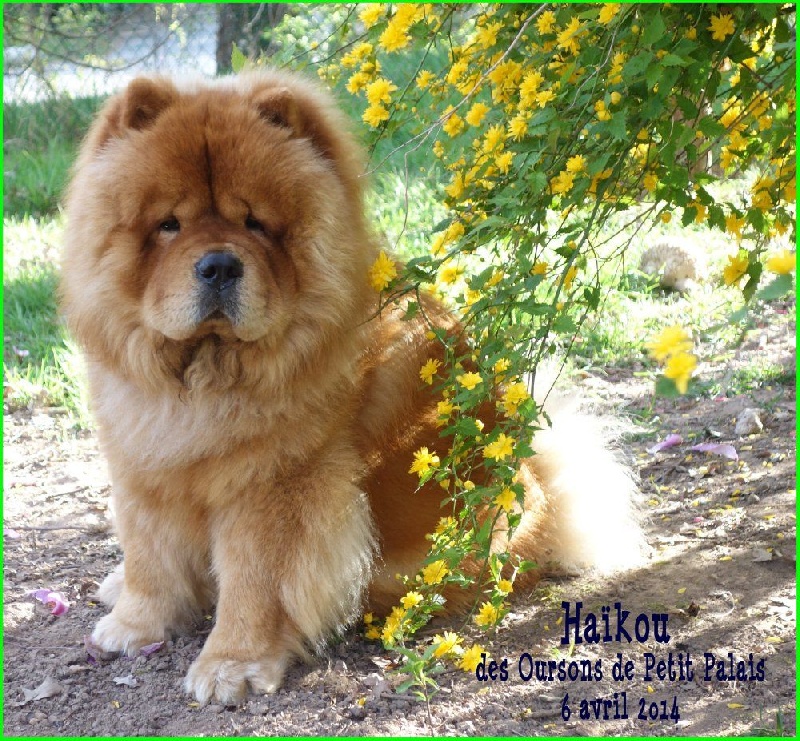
(722, 570)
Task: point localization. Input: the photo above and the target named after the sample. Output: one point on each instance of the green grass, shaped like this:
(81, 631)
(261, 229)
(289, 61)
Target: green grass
(40, 365)
(40, 142)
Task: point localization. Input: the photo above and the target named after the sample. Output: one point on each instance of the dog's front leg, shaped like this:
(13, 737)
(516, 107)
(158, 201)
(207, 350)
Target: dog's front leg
(291, 564)
(163, 583)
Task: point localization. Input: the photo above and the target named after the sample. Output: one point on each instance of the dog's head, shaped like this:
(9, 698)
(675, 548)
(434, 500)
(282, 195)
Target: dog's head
(228, 209)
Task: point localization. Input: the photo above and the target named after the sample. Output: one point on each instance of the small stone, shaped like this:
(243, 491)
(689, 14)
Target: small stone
(748, 422)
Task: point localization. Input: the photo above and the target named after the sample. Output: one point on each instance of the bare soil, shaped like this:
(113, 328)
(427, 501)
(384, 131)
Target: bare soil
(723, 571)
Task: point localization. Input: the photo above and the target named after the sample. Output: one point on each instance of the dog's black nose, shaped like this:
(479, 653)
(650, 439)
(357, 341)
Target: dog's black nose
(219, 270)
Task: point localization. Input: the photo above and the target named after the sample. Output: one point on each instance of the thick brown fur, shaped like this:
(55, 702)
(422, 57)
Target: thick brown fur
(259, 453)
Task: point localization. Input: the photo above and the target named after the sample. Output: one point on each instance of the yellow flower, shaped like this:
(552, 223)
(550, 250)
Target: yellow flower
(505, 586)
(734, 224)
(371, 14)
(445, 525)
(505, 499)
(456, 187)
(488, 614)
(539, 268)
(650, 181)
(568, 38)
(570, 276)
(518, 127)
(735, 269)
(500, 449)
(424, 79)
(502, 365)
(373, 633)
(428, 371)
(374, 115)
(469, 380)
(666, 217)
(379, 91)
(543, 97)
(721, 26)
(423, 461)
(761, 197)
(454, 125)
(476, 114)
(434, 572)
(446, 644)
(471, 658)
(607, 12)
(530, 86)
(412, 599)
(450, 274)
(679, 369)
(444, 408)
(393, 623)
(357, 81)
(671, 341)
(495, 136)
(487, 36)
(781, 263)
(503, 162)
(563, 182)
(601, 111)
(394, 37)
(615, 97)
(358, 53)
(546, 22)
(513, 396)
(576, 163)
(382, 272)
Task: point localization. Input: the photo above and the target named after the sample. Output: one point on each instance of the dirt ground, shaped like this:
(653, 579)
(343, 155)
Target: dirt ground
(723, 571)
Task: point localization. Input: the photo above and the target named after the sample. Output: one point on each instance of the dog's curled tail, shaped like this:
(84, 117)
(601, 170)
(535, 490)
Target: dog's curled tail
(590, 517)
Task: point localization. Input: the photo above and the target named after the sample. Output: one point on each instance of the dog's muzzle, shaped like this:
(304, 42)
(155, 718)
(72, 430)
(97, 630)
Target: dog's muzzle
(218, 276)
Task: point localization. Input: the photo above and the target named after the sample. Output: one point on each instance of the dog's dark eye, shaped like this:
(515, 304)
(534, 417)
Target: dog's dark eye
(254, 225)
(169, 225)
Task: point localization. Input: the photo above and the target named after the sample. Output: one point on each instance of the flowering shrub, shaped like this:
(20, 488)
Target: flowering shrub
(545, 122)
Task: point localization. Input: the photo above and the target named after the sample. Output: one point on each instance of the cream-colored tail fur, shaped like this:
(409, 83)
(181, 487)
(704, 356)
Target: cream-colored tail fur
(592, 518)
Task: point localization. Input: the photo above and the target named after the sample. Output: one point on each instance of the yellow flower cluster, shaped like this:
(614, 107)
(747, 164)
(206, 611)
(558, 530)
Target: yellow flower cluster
(382, 272)
(672, 346)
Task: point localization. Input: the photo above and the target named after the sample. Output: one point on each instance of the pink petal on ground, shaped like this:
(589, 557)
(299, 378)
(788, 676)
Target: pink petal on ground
(54, 600)
(668, 442)
(150, 648)
(717, 449)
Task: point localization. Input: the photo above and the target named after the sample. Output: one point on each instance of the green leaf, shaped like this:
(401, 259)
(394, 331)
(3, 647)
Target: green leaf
(411, 310)
(636, 65)
(238, 59)
(777, 288)
(666, 387)
(655, 30)
(673, 60)
(617, 127)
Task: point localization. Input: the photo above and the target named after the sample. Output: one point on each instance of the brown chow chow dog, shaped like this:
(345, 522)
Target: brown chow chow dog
(259, 419)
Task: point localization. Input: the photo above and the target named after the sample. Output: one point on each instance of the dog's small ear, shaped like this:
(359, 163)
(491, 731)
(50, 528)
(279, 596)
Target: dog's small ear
(134, 109)
(144, 101)
(279, 107)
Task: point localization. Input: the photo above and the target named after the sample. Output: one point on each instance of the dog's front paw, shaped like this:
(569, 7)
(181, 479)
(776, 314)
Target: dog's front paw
(226, 679)
(117, 634)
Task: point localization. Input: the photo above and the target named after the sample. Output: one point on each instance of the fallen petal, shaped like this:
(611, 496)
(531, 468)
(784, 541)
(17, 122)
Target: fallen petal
(54, 600)
(150, 648)
(728, 451)
(668, 442)
(129, 681)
